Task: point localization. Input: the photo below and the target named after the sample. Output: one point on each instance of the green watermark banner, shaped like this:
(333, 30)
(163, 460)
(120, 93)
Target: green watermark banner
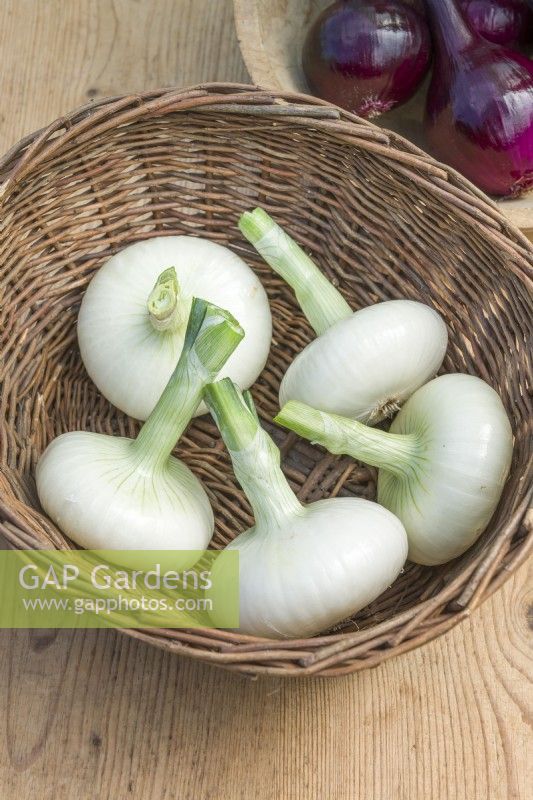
(119, 588)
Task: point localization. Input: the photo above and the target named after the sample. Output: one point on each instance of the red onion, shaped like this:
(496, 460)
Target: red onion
(367, 55)
(505, 22)
(479, 111)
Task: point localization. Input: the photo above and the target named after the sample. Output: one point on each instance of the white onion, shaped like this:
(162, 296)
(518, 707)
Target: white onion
(113, 493)
(363, 364)
(130, 353)
(97, 493)
(443, 464)
(302, 568)
(320, 567)
(367, 365)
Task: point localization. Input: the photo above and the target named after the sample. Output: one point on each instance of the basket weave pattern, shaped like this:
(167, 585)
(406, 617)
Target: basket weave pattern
(380, 217)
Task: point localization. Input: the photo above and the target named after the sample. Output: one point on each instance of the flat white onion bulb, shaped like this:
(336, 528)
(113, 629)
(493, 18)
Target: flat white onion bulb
(364, 364)
(302, 567)
(104, 498)
(111, 492)
(367, 365)
(318, 568)
(130, 351)
(466, 450)
(443, 463)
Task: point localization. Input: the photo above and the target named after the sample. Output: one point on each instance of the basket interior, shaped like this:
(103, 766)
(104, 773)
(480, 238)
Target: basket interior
(374, 231)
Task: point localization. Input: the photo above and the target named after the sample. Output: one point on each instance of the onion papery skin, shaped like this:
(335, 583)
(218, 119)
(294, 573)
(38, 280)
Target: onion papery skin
(479, 110)
(367, 56)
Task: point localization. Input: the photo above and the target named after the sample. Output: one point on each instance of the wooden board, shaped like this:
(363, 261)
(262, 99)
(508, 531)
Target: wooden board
(271, 35)
(97, 716)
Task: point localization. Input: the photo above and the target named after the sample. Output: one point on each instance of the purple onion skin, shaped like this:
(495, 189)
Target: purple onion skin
(505, 22)
(367, 56)
(479, 110)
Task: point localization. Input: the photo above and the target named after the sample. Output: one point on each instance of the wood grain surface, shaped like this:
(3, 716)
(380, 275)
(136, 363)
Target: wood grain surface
(97, 716)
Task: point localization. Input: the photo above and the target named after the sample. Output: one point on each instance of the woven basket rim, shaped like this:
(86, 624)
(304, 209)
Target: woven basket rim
(95, 117)
(333, 654)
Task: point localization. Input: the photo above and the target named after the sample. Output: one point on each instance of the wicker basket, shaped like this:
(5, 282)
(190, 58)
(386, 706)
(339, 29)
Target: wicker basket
(379, 216)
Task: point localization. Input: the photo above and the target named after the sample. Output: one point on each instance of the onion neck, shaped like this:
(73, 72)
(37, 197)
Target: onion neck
(164, 302)
(255, 457)
(211, 337)
(400, 454)
(319, 300)
(450, 30)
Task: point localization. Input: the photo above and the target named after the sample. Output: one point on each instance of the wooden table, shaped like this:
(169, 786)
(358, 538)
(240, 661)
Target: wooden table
(97, 716)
